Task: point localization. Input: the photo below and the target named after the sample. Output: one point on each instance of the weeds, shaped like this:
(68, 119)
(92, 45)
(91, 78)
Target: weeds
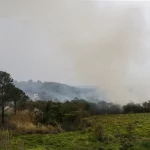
(128, 140)
(99, 132)
(5, 140)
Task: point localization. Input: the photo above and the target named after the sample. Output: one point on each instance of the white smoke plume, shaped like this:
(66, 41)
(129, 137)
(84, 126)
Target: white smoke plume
(110, 48)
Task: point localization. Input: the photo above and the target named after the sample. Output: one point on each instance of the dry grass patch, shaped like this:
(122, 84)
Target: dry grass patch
(24, 123)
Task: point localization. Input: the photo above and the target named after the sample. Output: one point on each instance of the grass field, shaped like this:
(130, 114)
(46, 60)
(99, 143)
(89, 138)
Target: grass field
(114, 129)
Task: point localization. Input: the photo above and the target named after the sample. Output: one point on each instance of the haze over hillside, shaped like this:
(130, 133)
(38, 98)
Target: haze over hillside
(58, 91)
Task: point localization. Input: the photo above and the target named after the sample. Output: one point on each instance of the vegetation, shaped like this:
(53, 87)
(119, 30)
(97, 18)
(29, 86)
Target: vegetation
(137, 108)
(76, 124)
(120, 131)
(9, 93)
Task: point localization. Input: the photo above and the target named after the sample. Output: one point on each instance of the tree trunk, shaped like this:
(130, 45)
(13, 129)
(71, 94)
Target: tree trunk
(3, 120)
(15, 107)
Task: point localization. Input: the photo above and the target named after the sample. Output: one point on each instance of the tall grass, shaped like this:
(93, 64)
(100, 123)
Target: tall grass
(5, 139)
(24, 123)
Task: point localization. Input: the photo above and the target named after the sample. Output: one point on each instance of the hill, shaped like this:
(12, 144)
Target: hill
(57, 91)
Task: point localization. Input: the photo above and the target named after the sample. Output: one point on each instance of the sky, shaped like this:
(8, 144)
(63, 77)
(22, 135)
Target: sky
(28, 46)
(79, 42)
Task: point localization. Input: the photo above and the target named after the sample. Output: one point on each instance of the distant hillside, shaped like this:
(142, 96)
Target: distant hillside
(57, 91)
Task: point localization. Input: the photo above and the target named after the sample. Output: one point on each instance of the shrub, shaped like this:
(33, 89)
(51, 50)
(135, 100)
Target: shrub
(72, 121)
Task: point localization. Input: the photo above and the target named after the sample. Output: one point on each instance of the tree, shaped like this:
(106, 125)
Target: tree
(5, 84)
(17, 96)
(132, 108)
(52, 113)
(146, 106)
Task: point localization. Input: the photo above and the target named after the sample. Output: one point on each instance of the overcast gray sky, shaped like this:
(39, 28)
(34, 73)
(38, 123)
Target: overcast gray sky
(28, 40)
(78, 42)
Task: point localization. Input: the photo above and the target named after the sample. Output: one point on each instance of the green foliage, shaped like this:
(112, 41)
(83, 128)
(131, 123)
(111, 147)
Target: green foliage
(146, 106)
(128, 140)
(137, 108)
(5, 86)
(52, 113)
(18, 97)
(130, 129)
(72, 120)
(131, 107)
(67, 114)
(9, 93)
(5, 140)
(122, 131)
(99, 132)
(126, 131)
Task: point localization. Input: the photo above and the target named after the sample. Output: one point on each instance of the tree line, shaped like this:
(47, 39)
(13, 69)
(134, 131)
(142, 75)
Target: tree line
(137, 108)
(70, 113)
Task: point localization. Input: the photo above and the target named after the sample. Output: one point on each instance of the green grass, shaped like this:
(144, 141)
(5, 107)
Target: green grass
(86, 140)
(63, 141)
(120, 122)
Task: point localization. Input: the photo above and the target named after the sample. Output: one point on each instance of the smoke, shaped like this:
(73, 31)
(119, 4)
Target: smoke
(109, 48)
(107, 42)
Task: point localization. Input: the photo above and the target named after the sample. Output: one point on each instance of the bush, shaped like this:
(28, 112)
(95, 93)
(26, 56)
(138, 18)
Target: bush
(72, 121)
